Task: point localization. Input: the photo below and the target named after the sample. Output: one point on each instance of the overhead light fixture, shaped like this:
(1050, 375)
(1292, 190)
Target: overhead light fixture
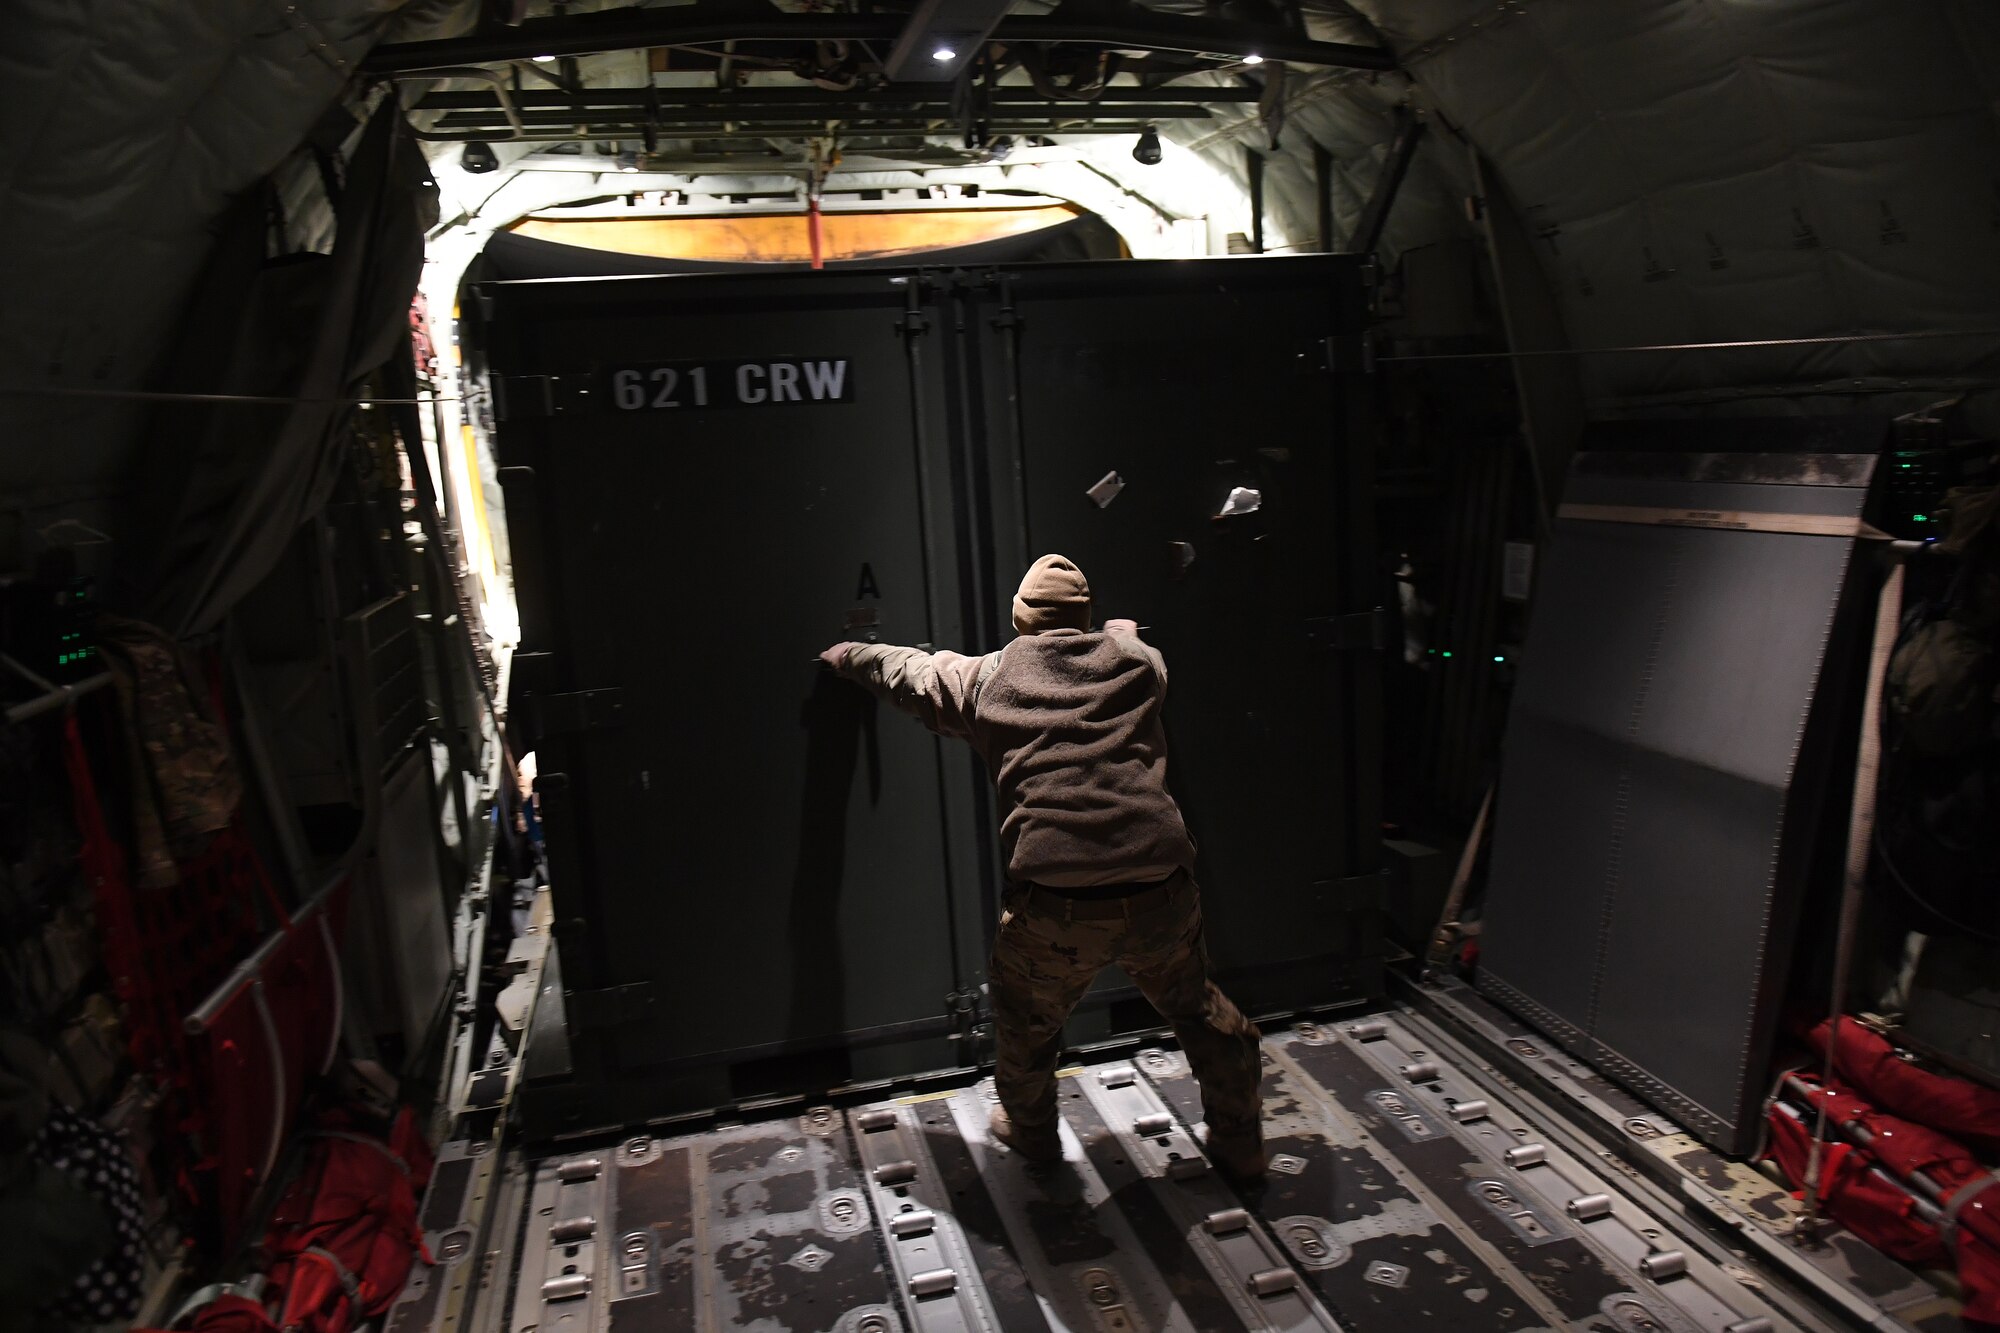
(1253, 59)
(1147, 151)
(941, 39)
(479, 158)
(544, 60)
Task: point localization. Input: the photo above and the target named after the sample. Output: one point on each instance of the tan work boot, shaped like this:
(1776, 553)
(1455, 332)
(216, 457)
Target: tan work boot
(1037, 1145)
(1238, 1155)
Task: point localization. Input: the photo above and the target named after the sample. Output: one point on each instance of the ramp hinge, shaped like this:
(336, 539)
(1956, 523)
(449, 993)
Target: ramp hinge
(1361, 631)
(583, 710)
(519, 397)
(610, 1007)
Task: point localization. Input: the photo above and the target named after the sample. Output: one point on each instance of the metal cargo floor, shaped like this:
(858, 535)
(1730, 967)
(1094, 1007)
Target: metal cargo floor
(1404, 1193)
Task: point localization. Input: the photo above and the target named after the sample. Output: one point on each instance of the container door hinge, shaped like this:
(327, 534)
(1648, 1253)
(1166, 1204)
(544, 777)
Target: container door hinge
(915, 320)
(610, 1007)
(1348, 353)
(583, 710)
(519, 397)
(963, 1010)
(1009, 317)
(1362, 631)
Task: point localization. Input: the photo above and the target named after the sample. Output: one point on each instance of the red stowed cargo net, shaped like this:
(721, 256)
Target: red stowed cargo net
(1866, 1062)
(1888, 1190)
(345, 1235)
(302, 985)
(229, 1091)
(246, 1107)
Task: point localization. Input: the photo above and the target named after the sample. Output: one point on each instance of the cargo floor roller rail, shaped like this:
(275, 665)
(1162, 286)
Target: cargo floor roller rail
(1413, 1185)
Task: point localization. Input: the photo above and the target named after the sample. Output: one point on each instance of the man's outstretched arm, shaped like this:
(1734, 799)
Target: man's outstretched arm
(1130, 629)
(934, 688)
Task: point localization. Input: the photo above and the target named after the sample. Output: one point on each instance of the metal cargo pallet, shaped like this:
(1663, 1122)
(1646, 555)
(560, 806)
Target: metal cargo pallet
(1407, 1190)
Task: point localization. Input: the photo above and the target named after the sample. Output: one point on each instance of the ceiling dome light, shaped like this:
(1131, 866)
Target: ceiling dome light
(544, 60)
(1253, 59)
(944, 55)
(479, 158)
(1147, 150)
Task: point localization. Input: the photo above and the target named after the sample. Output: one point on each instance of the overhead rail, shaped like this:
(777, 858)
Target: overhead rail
(763, 123)
(885, 98)
(1122, 27)
(680, 112)
(1828, 340)
(502, 100)
(758, 132)
(820, 113)
(1395, 165)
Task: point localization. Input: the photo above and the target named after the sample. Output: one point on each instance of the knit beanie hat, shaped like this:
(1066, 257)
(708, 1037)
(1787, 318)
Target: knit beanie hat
(1053, 595)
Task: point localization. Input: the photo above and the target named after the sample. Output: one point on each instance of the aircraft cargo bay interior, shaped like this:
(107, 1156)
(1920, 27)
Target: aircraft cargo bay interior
(1000, 666)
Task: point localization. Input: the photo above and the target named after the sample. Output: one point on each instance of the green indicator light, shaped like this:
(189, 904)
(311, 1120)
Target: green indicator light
(1447, 654)
(1499, 659)
(1921, 518)
(1909, 465)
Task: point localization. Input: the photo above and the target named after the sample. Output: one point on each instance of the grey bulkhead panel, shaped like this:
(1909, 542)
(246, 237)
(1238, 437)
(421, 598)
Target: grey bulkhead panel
(1667, 757)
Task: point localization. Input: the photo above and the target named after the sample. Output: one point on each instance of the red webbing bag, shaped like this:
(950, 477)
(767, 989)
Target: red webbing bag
(1876, 1210)
(345, 1235)
(1866, 1062)
(1884, 1214)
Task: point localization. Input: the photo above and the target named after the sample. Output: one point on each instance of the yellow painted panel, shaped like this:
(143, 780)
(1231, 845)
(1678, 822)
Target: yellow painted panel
(782, 238)
(482, 554)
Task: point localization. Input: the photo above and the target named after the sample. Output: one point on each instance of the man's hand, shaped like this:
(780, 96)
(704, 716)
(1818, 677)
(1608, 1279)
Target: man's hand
(1130, 627)
(836, 656)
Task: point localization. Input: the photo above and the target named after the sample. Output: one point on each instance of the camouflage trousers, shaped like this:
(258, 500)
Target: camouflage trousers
(1043, 962)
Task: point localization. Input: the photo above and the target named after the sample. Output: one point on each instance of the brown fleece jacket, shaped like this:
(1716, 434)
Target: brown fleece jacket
(1069, 726)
